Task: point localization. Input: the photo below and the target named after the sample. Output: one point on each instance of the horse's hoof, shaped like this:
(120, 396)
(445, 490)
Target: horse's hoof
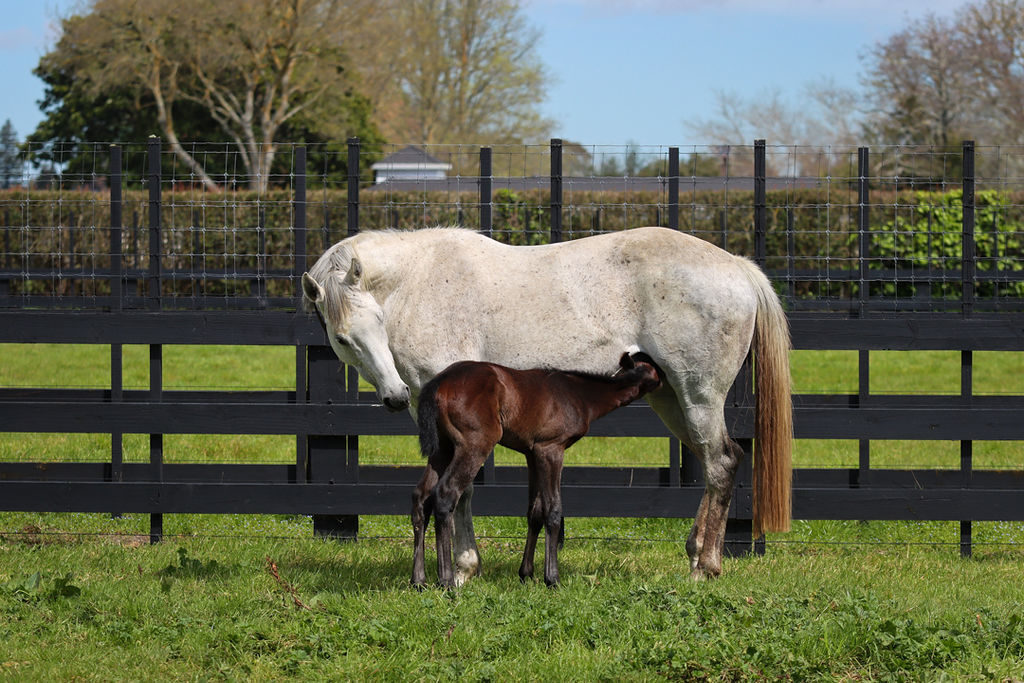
(418, 585)
(702, 574)
(551, 583)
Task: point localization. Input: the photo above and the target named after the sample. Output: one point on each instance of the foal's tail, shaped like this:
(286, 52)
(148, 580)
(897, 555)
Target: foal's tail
(426, 418)
(773, 417)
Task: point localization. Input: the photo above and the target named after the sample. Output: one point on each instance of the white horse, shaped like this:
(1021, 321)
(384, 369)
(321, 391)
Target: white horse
(402, 306)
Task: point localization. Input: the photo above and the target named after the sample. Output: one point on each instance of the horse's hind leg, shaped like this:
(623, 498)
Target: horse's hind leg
(703, 430)
(720, 468)
(695, 541)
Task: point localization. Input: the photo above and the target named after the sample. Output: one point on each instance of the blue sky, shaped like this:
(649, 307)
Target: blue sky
(623, 70)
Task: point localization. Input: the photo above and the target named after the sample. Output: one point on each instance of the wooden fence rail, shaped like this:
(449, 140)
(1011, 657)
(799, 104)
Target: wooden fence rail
(327, 415)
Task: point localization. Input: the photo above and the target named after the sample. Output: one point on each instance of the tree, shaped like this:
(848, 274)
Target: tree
(459, 71)
(249, 66)
(10, 165)
(918, 85)
(822, 117)
(992, 38)
(76, 113)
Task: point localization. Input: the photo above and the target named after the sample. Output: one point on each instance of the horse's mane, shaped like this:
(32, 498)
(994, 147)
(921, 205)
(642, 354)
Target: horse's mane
(325, 271)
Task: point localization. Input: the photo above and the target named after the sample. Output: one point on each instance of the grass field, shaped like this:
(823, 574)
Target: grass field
(275, 604)
(85, 597)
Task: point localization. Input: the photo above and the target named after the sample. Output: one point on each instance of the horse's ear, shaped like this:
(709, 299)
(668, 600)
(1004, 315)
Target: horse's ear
(355, 272)
(311, 289)
(627, 362)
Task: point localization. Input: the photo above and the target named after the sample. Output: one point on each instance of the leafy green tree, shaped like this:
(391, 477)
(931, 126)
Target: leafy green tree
(10, 166)
(239, 71)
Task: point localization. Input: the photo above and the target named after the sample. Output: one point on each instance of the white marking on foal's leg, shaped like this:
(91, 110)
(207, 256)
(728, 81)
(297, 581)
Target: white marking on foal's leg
(467, 556)
(467, 565)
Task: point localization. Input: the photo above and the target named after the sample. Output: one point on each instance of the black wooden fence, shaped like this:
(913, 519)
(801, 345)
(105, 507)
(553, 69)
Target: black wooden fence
(327, 413)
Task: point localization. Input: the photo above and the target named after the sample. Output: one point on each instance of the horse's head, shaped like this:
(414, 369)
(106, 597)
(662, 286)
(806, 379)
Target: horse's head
(354, 323)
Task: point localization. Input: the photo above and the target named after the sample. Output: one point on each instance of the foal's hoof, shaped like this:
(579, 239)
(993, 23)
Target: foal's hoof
(418, 585)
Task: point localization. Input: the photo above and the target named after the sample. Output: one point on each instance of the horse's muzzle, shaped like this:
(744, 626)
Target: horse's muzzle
(397, 403)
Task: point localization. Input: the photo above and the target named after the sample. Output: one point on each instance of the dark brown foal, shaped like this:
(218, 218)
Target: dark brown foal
(471, 406)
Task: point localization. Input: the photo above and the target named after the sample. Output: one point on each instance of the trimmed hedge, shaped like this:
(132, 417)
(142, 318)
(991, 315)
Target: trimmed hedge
(216, 236)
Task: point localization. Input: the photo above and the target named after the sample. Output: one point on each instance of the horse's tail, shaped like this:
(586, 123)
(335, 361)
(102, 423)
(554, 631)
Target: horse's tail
(426, 418)
(773, 416)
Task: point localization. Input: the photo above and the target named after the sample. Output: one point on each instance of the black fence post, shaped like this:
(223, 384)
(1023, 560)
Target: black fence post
(739, 538)
(967, 271)
(333, 458)
(299, 210)
(116, 350)
(116, 217)
(863, 355)
(153, 178)
(352, 184)
(760, 203)
(556, 190)
(486, 198)
(347, 526)
(155, 303)
(673, 188)
(968, 265)
(863, 226)
(261, 257)
(156, 441)
(298, 268)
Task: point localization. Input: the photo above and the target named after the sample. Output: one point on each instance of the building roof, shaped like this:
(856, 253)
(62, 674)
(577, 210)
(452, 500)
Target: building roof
(410, 158)
(593, 184)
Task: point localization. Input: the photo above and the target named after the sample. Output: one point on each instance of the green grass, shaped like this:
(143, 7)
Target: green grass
(113, 607)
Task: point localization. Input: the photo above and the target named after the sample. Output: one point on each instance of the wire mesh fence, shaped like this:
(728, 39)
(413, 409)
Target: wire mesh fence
(890, 228)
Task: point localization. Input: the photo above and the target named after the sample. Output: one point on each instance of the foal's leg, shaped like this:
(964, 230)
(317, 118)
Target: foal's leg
(550, 481)
(422, 505)
(453, 484)
(467, 555)
(534, 519)
(545, 467)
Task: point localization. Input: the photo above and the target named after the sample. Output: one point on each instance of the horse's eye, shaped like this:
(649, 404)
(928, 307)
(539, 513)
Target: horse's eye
(341, 340)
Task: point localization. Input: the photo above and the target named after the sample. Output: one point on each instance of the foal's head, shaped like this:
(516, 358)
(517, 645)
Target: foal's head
(639, 370)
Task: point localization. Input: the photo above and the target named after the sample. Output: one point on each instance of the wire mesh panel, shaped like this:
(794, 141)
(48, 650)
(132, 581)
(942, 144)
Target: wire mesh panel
(842, 231)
